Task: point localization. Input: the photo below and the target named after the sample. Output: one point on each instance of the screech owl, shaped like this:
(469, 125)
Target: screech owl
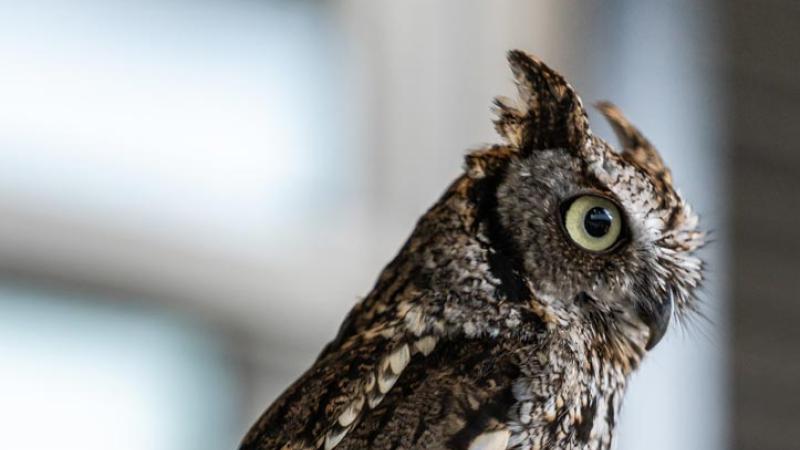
(523, 300)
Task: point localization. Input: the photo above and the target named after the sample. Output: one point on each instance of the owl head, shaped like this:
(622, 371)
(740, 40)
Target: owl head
(595, 231)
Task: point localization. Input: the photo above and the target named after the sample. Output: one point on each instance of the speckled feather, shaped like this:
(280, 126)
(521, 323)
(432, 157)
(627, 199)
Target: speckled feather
(491, 329)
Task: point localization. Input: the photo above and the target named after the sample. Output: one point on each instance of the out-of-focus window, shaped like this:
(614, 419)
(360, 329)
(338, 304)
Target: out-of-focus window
(85, 374)
(187, 119)
(155, 151)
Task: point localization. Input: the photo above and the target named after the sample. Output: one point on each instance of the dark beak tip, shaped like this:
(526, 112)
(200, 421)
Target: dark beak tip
(657, 320)
(653, 340)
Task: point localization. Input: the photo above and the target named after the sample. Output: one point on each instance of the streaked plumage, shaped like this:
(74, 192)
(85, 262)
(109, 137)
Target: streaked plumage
(495, 326)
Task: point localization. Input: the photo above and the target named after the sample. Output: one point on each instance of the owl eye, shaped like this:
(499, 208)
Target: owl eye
(593, 223)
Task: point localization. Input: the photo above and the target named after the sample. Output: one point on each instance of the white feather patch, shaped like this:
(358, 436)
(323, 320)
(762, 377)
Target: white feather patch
(374, 398)
(349, 415)
(492, 440)
(385, 381)
(391, 368)
(399, 359)
(334, 437)
(426, 345)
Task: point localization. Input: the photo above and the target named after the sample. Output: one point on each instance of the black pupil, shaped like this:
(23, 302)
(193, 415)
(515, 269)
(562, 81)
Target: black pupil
(597, 221)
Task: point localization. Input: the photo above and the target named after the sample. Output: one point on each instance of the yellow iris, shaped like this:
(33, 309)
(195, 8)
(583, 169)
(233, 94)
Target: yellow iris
(594, 223)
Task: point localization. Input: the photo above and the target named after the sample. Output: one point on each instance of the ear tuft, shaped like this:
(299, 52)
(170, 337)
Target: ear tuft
(510, 121)
(635, 147)
(551, 114)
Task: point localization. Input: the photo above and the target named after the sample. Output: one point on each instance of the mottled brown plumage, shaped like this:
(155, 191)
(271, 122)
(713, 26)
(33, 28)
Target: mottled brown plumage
(496, 326)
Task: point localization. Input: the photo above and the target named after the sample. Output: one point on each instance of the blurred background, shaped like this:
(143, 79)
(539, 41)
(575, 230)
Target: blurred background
(194, 193)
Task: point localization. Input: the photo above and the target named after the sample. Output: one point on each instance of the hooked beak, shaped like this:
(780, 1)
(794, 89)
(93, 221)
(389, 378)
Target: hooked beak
(656, 317)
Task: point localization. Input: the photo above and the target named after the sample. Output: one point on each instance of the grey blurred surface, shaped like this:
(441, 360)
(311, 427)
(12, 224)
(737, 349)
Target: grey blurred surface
(194, 193)
(763, 67)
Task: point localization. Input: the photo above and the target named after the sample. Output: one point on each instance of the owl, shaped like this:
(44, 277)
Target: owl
(514, 315)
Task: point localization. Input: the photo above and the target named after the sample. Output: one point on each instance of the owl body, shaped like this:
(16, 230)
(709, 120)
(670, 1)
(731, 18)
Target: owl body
(521, 303)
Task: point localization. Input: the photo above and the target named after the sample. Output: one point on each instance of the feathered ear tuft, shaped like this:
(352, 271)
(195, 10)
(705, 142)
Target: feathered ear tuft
(635, 147)
(510, 121)
(551, 114)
